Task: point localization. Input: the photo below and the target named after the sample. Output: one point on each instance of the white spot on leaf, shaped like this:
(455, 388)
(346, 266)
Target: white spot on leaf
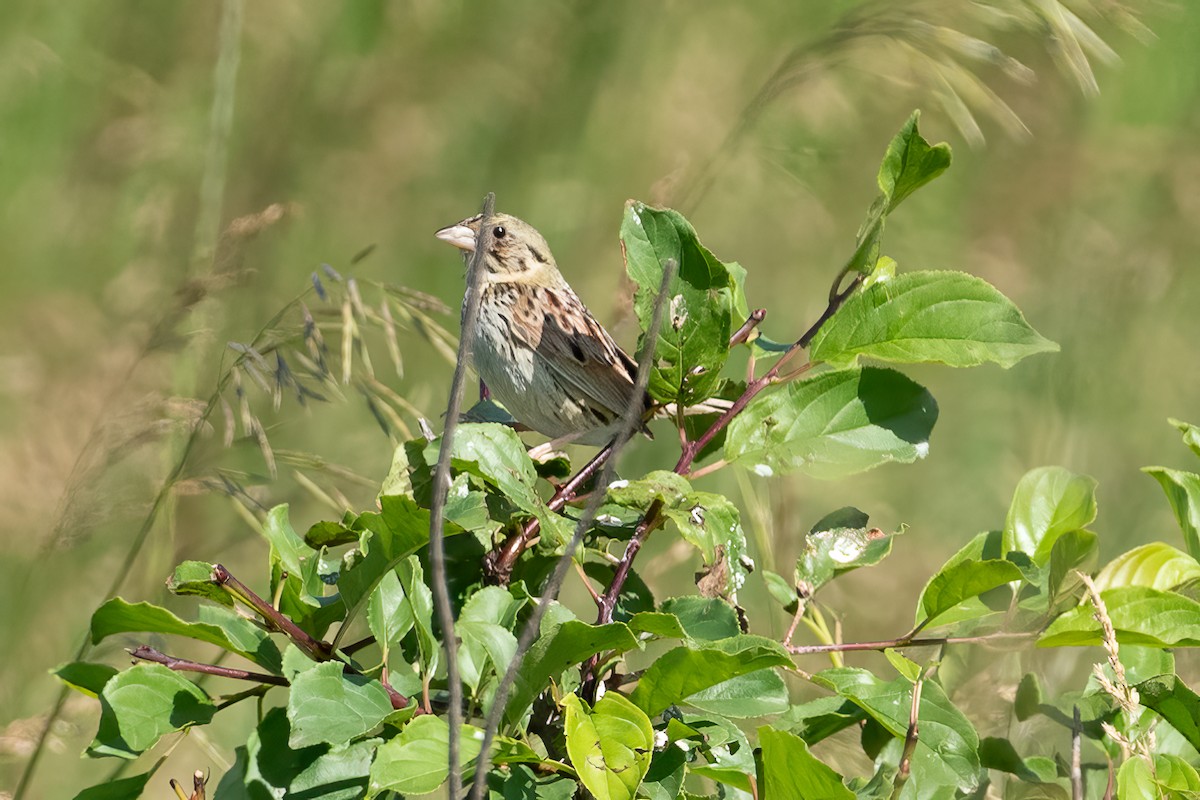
(847, 548)
(763, 470)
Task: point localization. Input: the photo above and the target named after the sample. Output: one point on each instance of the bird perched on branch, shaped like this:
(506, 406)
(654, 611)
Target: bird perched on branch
(536, 346)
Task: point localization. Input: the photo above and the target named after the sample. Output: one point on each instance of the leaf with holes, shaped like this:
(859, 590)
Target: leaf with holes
(693, 340)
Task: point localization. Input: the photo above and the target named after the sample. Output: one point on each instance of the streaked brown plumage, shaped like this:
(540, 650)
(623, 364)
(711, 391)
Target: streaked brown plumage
(536, 346)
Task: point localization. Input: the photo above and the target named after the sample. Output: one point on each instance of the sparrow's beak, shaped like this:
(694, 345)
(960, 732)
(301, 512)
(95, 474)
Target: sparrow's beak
(458, 235)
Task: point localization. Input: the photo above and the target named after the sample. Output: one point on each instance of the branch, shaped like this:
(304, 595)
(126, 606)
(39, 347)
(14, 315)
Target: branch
(314, 648)
(144, 653)
(441, 487)
(904, 641)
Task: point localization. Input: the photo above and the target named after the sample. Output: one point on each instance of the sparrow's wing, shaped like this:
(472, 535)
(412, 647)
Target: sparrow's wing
(578, 351)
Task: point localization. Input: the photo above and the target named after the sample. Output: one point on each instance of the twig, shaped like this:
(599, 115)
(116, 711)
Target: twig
(314, 648)
(1076, 756)
(910, 738)
(743, 333)
(938, 641)
(441, 487)
(354, 647)
(801, 607)
(144, 653)
(587, 584)
(707, 469)
(498, 564)
(630, 421)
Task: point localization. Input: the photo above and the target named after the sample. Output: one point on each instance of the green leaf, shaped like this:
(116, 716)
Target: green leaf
(755, 694)
(293, 553)
(196, 578)
(1135, 780)
(946, 735)
(903, 664)
(1074, 550)
(143, 703)
(921, 317)
(821, 718)
(416, 761)
(705, 618)
(1176, 776)
(834, 424)
(339, 774)
(420, 599)
(1048, 502)
(496, 454)
(610, 745)
(267, 767)
(789, 770)
(483, 643)
(130, 788)
(398, 530)
(1191, 434)
(685, 671)
(570, 644)
(389, 614)
(85, 677)
(707, 521)
(245, 635)
(1155, 565)
(995, 753)
(118, 616)
(693, 340)
(780, 590)
(910, 163)
(1175, 702)
(657, 624)
(1139, 615)
(664, 780)
(1028, 701)
(962, 581)
(1183, 493)
(522, 783)
(327, 705)
(832, 551)
(467, 508)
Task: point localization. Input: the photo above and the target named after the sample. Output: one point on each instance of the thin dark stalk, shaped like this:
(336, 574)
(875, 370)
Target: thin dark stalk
(144, 653)
(886, 644)
(354, 647)
(631, 420)
(441, 488)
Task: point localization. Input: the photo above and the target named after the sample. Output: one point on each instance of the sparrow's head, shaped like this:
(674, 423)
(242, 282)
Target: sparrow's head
(515, 249)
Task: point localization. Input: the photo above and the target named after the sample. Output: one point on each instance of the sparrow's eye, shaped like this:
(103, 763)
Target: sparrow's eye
(499, 232)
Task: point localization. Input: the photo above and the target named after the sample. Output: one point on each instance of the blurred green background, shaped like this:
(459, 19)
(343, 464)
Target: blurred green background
(172, 173)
